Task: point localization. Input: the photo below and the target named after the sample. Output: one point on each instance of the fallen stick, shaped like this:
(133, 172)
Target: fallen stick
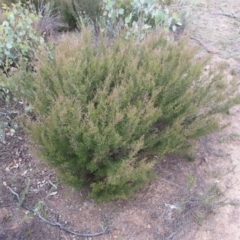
(232, 15)
(197, 40)
(56, 224)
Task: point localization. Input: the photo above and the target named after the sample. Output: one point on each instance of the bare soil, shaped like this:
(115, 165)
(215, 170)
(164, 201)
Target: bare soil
(188, 200)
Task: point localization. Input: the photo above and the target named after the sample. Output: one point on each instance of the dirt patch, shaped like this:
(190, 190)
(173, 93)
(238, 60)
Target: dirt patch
(216, 26)
(223, 155)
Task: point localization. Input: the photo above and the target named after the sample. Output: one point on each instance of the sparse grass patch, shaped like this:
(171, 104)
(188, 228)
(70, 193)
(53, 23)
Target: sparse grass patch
(189, 208)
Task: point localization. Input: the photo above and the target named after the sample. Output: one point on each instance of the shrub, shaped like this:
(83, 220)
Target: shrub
(18, 37)
(103, 109)
(18, 40)
(137, 17)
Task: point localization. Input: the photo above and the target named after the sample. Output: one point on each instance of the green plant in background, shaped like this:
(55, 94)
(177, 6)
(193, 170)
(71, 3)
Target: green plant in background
(51, 21)
(75, 12)
(90, 11)
(166, 2)
(18, 37)
(138, 17)
(110, 16)
(102, 110)
(18, 40)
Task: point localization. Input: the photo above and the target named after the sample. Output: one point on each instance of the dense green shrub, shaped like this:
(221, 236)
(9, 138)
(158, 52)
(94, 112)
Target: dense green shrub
(103, 108)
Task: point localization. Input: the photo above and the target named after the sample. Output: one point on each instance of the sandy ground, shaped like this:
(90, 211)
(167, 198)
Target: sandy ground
(216, 27)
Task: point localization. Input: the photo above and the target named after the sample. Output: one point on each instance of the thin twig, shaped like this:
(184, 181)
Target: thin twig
(56, 224)
(8, 113)
(3, 113)
(64, 236)
(59, 231)
(197, 40)
(172, 235)
(172, 183)
(232, 15)
(13, 192)
(52, 184)
(5, 153)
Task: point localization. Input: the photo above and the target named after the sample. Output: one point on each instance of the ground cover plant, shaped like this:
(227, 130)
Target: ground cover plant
(103, 108)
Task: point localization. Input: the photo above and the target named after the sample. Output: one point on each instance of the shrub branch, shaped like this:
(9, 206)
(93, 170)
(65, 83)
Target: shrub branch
(56, 224)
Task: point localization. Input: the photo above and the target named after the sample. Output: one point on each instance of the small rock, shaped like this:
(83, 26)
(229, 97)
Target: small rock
(149, 226)
(115, 233)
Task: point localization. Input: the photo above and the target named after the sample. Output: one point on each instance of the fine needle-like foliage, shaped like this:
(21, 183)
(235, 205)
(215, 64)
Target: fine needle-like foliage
(102, 106)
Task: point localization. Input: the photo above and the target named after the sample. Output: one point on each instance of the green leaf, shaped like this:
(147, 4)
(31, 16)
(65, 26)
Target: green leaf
(174, 28)
(28, 108)
(128, 19)
(7, 52)
(175, 16)
(5, 23)
(121, 11)
(109, 7)
(160, 17)
(9, 45)
(178, 24)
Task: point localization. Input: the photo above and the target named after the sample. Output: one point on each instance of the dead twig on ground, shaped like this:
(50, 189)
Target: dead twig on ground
(56, 224)
(197, 40)
(8, 113)
(172, 183)
(232, 15)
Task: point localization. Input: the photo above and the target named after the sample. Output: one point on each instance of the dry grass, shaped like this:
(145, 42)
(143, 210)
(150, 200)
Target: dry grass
(51, 21)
